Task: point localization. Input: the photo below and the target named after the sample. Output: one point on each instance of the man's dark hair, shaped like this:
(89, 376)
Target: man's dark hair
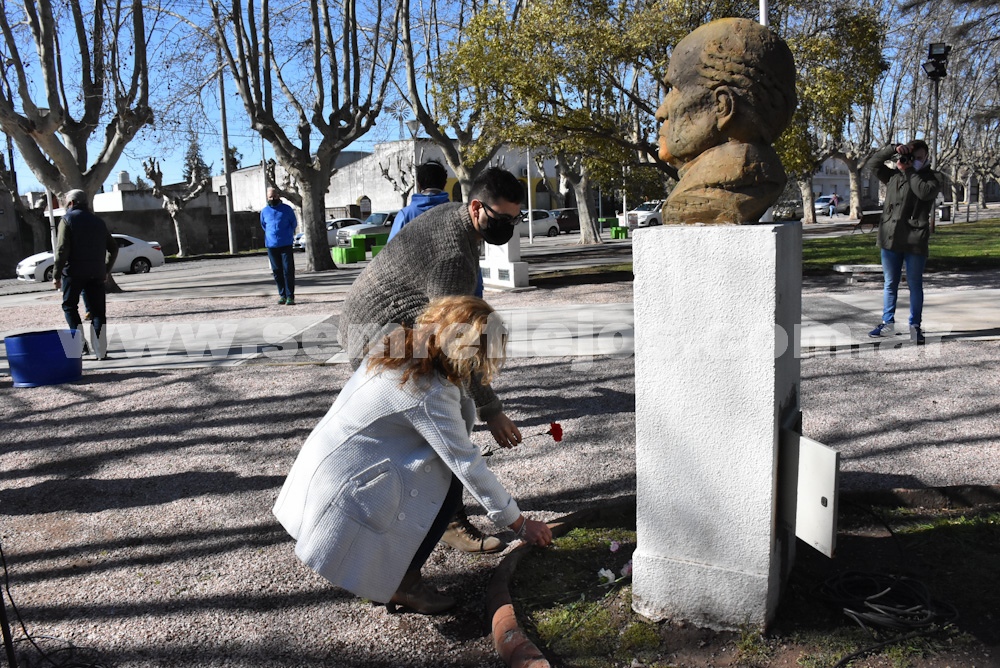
(431, 174)
(496, 184)
(919, 143)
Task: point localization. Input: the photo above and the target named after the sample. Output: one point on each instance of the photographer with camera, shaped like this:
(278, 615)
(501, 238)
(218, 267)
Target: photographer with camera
(904, 229)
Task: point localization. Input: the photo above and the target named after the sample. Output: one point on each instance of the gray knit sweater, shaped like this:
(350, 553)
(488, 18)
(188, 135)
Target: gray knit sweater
(436, 255)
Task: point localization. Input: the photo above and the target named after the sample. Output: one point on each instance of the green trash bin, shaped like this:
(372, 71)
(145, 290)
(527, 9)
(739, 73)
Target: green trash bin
(343, 255)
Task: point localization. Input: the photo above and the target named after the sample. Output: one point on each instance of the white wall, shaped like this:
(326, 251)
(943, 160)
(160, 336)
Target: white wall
(360, 174)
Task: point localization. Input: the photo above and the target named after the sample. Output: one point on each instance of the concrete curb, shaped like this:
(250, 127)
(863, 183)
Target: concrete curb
(509, 639)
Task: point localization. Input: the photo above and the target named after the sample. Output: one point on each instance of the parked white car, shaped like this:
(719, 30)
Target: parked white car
(646, 214)
(822, 205)
(543, 224)
(135, 256)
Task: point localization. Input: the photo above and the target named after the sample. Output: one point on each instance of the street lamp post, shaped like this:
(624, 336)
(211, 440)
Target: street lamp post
(936, 68)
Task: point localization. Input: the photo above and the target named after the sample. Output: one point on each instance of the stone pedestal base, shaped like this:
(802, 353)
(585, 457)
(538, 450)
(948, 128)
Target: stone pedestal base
(716, 379)
(502, 267)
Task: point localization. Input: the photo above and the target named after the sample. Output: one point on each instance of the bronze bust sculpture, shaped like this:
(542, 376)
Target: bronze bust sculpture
(732, 93)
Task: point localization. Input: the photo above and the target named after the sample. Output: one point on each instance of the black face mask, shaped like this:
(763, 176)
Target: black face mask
(274, 202)
(497, 232)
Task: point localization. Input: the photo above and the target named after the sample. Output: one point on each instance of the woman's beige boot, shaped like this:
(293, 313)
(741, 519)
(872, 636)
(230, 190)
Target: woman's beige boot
(463, 536)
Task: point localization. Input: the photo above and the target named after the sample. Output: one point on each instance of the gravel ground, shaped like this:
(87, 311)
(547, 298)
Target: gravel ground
(135, 505)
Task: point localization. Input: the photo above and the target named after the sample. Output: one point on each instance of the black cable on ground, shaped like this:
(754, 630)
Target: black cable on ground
(67, 655)
(878, 602)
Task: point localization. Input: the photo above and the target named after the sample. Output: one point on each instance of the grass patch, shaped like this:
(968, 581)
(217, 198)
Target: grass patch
(581, 621)
(957, 247)
(962, 246)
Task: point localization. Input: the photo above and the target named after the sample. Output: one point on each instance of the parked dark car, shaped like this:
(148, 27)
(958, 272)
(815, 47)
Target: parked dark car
(568, 219)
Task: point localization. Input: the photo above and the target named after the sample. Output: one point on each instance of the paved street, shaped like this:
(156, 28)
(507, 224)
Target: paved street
(833, 319)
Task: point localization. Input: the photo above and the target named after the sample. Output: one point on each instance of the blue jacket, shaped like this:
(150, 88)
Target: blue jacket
(279, 225)
(418, 204)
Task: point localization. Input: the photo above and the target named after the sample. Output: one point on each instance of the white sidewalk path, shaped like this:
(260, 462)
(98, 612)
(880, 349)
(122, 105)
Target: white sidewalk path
(830, 321)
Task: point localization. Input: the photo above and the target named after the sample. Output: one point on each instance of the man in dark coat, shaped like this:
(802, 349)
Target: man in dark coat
(85, 253)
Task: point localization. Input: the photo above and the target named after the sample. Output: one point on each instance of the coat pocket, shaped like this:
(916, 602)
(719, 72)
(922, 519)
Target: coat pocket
(918, 234)
(372, 497)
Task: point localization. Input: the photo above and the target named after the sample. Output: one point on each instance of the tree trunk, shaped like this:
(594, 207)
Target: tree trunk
(854, 177)
(182, 225)
(590, 232)
(313, 223)
(808, 210)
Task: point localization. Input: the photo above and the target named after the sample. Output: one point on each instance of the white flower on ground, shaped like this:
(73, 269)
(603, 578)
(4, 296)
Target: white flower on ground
(627, 569)
(606, 575)
(615, 546)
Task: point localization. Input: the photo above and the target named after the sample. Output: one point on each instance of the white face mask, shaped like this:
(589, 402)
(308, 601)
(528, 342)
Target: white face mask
(919, 164)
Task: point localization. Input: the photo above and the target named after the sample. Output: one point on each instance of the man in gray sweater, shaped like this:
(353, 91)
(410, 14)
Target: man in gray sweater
(437, 255)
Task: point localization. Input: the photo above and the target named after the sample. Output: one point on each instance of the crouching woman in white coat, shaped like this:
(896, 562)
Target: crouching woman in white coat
(381, 475)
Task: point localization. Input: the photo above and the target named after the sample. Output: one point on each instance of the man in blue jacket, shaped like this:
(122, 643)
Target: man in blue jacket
(432, 177)
(278, 221)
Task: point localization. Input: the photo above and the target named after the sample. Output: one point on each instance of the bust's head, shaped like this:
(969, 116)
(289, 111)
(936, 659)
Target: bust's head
(729, 80)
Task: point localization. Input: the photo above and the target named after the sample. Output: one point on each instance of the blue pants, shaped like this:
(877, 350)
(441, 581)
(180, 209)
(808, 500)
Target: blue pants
(283, 269)
(92, 290)
(892, 269)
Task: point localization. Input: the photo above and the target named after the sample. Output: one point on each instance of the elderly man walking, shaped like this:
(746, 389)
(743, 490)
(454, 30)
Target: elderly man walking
(85, 253)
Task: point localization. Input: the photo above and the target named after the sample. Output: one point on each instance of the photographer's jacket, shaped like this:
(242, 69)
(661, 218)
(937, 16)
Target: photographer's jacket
(909, 200)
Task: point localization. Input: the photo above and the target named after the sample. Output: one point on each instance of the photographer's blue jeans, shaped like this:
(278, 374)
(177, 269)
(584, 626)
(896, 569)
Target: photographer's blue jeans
(283, 268)
(892, 269)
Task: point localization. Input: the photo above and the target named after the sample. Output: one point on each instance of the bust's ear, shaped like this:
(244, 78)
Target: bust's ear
(725, 107)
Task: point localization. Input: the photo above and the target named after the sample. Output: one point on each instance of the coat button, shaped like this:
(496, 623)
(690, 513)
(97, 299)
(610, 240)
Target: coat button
(401, 517)
(427, 469)
(414, 492)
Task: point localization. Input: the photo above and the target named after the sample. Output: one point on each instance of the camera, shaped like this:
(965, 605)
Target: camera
(904, 157)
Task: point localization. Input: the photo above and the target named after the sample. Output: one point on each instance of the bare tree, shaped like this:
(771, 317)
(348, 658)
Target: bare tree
(457, 115)
(66, 90)
(401, 177)
(332, 69)
(175, 201)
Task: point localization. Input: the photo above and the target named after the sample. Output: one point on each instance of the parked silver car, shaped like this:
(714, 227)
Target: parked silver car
(331, 232)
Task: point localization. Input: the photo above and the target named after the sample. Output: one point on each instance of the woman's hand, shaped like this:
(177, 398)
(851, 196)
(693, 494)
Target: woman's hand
(505, 432)
(532, 531)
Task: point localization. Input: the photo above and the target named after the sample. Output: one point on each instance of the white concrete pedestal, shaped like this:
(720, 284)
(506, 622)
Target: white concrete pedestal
(716, 377)
(502, 267)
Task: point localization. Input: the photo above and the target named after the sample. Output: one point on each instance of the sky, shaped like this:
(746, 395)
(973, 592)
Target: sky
(169, 141)
(171, 158)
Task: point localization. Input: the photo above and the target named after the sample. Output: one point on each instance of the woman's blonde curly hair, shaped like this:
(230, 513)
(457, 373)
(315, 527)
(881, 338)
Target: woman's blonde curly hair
(455, 336)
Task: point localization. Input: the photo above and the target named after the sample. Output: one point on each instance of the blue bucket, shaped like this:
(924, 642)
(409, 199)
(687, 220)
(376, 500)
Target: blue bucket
(45, 358)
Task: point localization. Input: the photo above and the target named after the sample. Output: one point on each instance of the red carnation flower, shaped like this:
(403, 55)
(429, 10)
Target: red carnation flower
(556, 430)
